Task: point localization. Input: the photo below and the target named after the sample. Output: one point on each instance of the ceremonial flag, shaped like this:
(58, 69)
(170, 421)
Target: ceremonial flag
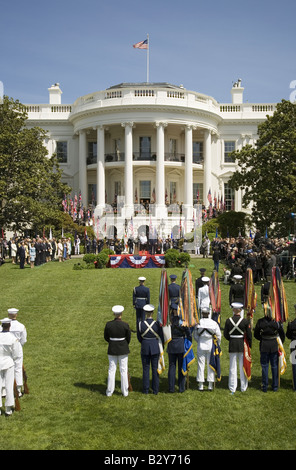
(163, 306)
(190, 316)
(250, 294)
(216, 353)
(209, 196)
(277, 296)
(215, 296)
(188, 357)
(282, 358)
(141, 44)
(247, 360)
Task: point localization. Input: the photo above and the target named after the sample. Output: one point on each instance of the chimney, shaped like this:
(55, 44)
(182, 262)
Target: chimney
(237, 92)
(55, 94)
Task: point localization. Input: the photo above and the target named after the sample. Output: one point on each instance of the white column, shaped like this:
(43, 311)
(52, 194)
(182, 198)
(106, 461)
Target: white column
(101, 167)
(188, 199)
(160, 172)
(128, 172)
(82, 167)
(207, 166)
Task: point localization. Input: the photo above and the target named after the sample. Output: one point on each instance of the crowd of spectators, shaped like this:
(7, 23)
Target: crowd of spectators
(258, 253)
(34, 251)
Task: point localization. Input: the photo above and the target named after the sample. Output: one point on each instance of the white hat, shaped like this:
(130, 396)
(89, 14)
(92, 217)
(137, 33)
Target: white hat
(237, 276)
(117, 309)
(148, 308)
(205, 279)
(142, 278)
(12, 311)
(237, 305)
(6, 320)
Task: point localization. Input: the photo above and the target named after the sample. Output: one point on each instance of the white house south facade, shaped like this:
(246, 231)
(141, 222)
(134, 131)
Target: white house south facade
(149, 143)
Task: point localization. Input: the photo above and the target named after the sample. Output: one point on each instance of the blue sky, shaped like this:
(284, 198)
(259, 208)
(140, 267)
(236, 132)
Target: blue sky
(86, 46)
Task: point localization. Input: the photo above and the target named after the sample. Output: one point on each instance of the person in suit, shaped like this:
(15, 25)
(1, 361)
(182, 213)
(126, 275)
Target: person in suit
(236, 327)
(174, 290)
(176, 350)
(22, 254)
(151, 338)
(237, 292)
(118, 335)
(198, 282)
(291, 334)
(141, 297)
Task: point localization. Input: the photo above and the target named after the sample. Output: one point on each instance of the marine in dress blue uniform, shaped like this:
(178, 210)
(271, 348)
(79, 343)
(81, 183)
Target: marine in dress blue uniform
(141, 297)
(149, 335)
(174, 290)
(176, 351)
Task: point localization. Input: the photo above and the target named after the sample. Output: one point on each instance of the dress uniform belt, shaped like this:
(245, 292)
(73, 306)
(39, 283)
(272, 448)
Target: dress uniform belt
(236, 336)
(117, 339)
(269, 337)
(141, 298)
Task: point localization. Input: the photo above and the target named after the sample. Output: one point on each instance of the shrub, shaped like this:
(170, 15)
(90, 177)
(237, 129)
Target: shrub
(183, 259)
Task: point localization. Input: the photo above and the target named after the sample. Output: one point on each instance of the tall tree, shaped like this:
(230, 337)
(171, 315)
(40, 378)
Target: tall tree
(267, 171)
(31, 190)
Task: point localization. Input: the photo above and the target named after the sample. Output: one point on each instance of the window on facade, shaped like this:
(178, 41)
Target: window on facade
(229, 146)
(145, 190)
(145, 148)
(197, 152)
(197, 193)
(92, 194)
(173, 192)
(91, 153)
(228, 197)
(62, 152)
(173, 147)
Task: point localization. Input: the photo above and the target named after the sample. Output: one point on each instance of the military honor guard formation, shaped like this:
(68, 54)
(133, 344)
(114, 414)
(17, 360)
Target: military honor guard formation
(185, 313)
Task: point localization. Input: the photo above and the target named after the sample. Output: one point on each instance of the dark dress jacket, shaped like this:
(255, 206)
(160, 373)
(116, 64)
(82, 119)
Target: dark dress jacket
(149, 341)
(235, 335)
(117, 329)
(266, 331)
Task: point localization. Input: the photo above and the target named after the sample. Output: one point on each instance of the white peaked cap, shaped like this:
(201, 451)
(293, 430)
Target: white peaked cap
(148, 308)
(117, 309)
(12, 310)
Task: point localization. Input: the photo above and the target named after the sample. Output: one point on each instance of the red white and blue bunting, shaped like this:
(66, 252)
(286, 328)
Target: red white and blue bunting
(137, 261)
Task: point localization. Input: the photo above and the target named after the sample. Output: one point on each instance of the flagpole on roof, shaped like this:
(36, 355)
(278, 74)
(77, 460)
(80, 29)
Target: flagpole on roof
(148, 58)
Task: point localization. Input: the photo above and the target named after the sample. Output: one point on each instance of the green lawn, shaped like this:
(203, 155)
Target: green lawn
(65, 311)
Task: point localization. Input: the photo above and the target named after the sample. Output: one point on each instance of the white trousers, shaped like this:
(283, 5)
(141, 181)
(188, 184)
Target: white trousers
(203, 358)
(232, 379)
(18, 371)
(123, 362)
(7, 382)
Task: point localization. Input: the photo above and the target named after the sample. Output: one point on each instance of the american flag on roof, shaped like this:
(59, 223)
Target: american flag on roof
(141, 45)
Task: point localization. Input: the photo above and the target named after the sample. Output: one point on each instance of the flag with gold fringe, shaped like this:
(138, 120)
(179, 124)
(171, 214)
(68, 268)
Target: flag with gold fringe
(215, 296)
(277, 296)
(187, 308)
(250, 294)
(247, 359)
(216, 353)
(188, 357)
(163, 306)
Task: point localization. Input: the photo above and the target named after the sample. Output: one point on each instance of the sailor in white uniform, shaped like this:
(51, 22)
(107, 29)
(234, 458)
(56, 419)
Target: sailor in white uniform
(203, 335)
(9, 352)
(203, 297)
(19, 330)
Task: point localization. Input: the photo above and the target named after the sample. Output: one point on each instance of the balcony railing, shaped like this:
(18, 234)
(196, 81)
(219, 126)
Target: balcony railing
(144, 156)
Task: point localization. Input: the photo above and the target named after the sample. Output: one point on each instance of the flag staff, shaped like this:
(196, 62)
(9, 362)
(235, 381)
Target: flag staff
(148, 44)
